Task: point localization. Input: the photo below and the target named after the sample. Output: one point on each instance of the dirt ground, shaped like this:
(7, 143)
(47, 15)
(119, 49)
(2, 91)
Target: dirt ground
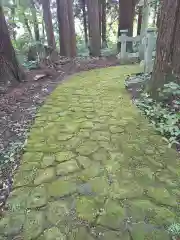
(19, 105)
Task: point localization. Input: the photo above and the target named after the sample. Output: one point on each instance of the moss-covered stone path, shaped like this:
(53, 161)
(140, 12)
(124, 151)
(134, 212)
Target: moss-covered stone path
(93, 168)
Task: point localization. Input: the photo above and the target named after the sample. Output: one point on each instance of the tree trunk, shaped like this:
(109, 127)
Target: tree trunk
(10, 70)
(167, 65)
(94, 33)
(43, 31)
(35, 21)
(158, 13)
(100, 17)
(126, 18)
(155, 13)
(71, 29)
(104, 40)
(139, 20)
(66, 28)
(85, 22)
(48, 24)
(63, 22)
(26, 23)
(13, 13)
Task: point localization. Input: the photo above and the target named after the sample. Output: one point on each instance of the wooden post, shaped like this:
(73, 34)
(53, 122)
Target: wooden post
(149, 46)
(123, 45)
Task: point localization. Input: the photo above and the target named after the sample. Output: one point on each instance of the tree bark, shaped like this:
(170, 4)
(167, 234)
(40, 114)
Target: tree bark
(85, 22)
(35, 21)
(139, 20)
(66, 28)
(62, 14)
(94, 33)
(13, 13)
(155, 13)
(104, 40)
(10, 71)
(48, 23)
(126, 18)
(167, 65)
(100, 17)
(71, 29)
(26, 23)
(158, 13)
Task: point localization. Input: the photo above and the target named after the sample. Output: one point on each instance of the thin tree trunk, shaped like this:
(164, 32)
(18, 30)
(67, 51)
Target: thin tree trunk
(43, 31)
(94, 33)
(100, 17)
(85, 22)
(167, 64)
(71, 29)
(159, 13)
(27, 26)
(48, 23)
(139, 20)
(155, 13)
(9, 67)
(35, 21)
(13, 12)
(104, 40)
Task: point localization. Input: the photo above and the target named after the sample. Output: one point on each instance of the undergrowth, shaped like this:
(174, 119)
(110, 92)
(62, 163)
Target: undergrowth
(165, 114)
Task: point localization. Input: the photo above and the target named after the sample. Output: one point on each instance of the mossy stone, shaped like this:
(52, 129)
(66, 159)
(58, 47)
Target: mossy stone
(57, 211)
(45, 175)
(52, 234)
(87, 148)
(64, 156)
(60, 188)
(67, 167)
(34, 225)
(113, 215)
(37, 197)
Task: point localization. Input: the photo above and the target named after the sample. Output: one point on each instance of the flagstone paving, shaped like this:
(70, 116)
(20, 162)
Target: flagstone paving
(93, 168)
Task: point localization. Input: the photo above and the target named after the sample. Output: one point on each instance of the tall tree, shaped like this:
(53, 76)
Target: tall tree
(13, 13)
(93, 22)
(48, 23)
(126, 17)
(167, 65)
(35, 21)
(100, 16)
(139, 23)
(85, 22)
(72, 33)
(9, 67)
(66, 28)
(104, 40)
(62, 14)
(26, 23)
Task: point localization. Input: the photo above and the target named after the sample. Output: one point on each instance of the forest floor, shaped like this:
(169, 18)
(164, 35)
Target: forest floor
(93, 168)
(19, 105)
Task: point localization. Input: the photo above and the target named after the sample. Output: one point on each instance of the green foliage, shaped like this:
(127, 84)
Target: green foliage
(174, 230)
(163, 117)
(169, 90)
(11, 152)
(111, 50)
(31, 64)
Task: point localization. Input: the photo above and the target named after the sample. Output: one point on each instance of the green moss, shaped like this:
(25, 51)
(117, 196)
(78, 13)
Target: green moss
(34, 224)
(60, 188)
(113, 215)
(87, 208)
(89, 131)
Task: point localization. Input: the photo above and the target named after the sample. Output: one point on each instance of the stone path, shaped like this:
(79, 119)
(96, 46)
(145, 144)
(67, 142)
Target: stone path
(93, 168)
